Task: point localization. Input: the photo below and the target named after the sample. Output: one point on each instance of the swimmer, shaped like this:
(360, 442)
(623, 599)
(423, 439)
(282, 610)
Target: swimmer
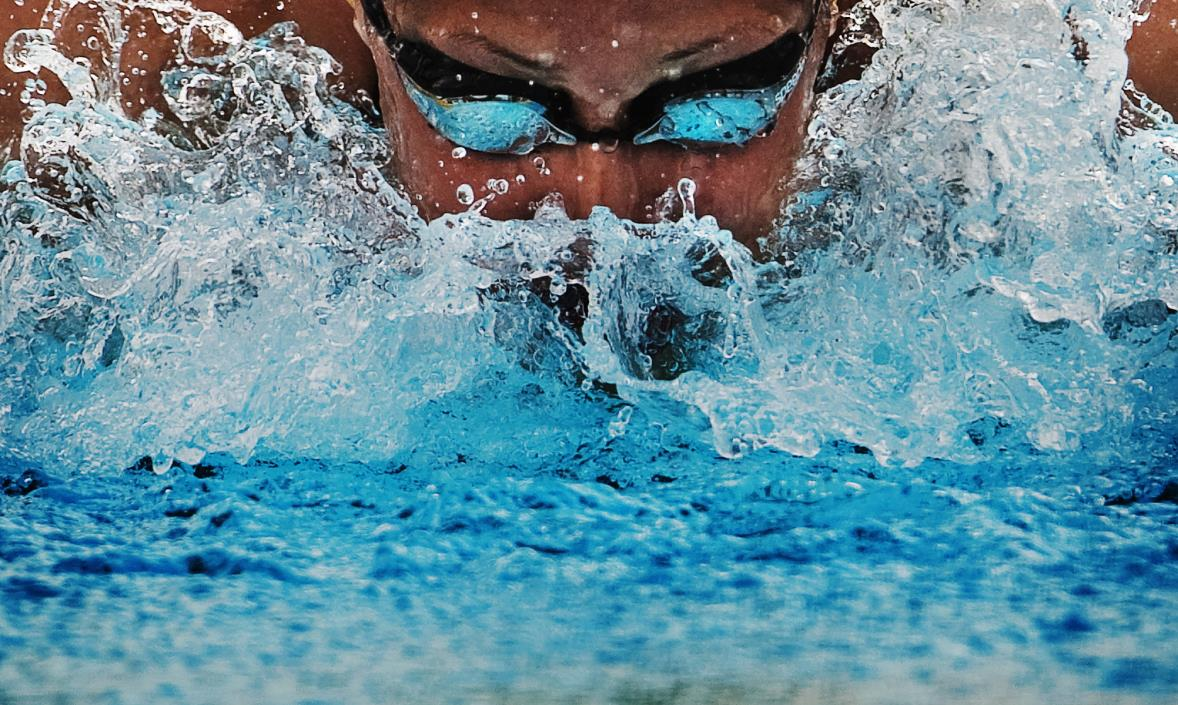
(606, 103)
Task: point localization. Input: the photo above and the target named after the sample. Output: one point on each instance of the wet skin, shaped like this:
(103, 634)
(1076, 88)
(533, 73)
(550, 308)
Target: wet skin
(567, 46)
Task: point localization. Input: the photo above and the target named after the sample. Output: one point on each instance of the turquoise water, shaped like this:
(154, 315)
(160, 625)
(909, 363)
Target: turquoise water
(267, 437)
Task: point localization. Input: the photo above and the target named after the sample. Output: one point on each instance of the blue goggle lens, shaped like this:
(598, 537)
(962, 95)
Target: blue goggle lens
(495, 125)
(732, 120)
(518, 127)
(731, 117)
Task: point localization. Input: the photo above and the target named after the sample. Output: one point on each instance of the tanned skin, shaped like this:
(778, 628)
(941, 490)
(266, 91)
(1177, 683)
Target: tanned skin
(568, 46)
(1153, 55)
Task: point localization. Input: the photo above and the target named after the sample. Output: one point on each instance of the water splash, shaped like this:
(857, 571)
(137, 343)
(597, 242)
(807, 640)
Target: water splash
(979, 261)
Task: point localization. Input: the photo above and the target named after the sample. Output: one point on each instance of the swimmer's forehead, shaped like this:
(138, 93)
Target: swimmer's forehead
(550, 23)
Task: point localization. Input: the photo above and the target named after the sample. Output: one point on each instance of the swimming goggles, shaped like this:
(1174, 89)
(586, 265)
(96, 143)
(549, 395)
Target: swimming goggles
(725, 105)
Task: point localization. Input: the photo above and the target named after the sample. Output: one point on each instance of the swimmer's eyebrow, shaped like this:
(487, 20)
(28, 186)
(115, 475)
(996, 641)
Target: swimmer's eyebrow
(709, 44)
(755, 35)
(526, 63)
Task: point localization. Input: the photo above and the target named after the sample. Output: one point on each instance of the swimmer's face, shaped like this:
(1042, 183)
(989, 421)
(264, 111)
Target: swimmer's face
(603, 70)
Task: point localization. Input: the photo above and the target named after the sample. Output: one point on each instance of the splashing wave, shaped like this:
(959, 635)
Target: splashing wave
(979, 261)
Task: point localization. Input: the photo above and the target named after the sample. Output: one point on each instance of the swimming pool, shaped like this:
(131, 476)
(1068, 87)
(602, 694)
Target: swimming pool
(268, 438)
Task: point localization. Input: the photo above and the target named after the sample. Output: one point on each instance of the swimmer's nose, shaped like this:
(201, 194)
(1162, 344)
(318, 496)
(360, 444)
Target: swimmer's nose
(600, 114)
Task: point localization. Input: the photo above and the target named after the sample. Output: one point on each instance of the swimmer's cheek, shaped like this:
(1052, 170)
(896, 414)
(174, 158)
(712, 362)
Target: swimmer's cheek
(1153, 55)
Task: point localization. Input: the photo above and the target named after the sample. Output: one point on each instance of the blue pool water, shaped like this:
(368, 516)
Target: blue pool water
(266, 437)
(597, 580)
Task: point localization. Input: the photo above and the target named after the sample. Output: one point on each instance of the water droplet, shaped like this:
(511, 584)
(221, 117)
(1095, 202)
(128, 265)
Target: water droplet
(617, 427)
(458, 153)
(551, 206)
(498, 186)
(615, 44)
(686, 189)
(465, 194)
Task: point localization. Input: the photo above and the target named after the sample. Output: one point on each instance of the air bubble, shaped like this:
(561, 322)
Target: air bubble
(465, 194)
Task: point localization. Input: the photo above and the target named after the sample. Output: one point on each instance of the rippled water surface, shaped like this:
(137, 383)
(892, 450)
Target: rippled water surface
(268, 437)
